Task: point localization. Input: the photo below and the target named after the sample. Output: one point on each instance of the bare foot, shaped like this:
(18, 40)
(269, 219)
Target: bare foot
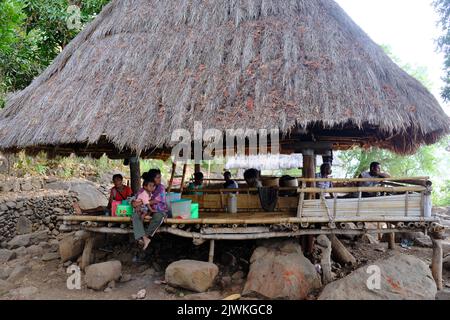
(146, 243)
(77, 209)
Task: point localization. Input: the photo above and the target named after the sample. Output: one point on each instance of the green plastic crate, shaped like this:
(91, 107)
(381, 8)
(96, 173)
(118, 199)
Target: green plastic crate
(124, 210)
(194, 210)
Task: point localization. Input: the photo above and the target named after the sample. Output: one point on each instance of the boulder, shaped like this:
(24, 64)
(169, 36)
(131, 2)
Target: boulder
(71, 246)
(35, 250)
(6, 255)
(403, 277)
(26, 186)
(99, 275)
(49, 256)
(19, 241)
(5, 272)
(446, 263)
(24, 226)
(197, 276)
(443, 295)
(280, 271)
(89, 197)
(21, 252)
(5, 286)
(18, 273)
(26, 240)
(24, 292)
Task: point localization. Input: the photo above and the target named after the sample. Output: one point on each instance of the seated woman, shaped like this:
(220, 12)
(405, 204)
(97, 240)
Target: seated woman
(119, 192)
(151, 201)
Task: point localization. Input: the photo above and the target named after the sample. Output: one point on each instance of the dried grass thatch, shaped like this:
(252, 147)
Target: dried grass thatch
(146, 67)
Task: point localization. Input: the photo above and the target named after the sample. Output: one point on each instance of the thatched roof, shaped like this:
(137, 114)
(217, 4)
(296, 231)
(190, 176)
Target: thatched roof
(143, 68)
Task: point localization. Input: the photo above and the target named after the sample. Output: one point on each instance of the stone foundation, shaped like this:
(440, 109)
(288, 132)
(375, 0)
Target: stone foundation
(26, 212)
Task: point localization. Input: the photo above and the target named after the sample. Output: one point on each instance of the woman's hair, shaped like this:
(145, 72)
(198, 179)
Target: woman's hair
(151, 174)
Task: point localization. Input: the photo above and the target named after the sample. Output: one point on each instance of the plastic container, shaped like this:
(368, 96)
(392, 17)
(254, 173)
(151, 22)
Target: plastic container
(114, 205)
(172, 196)
(194, 210)
(232, 204)
(124, 209)
(181, 209)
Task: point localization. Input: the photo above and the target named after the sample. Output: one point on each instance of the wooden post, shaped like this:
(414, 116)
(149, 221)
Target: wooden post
(325, 258)
(183, 178)
(135, 174)
(391, 240)
(436, 263)
(309, 171)
(211, 251)
(172, 175)
(86, 258)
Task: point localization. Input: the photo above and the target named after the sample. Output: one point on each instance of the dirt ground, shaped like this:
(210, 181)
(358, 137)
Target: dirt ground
(147, 271)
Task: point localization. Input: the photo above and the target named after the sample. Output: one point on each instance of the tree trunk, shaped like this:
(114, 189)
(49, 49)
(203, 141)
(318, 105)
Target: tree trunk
(340, 252)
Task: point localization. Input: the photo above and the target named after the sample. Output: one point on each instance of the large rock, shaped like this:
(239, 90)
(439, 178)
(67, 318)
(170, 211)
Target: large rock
(446, 262)
(5, 272)
(6, 255)
(24, 226)
(100, 274)
(5, 286)
(24, 292)
(197, 276)
(18, 273)
(71, 246)
(403, 277)
(280, 271)
(26, 240)
(89, 197)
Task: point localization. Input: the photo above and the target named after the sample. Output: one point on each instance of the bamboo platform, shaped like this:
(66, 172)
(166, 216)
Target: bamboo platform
(402, 207)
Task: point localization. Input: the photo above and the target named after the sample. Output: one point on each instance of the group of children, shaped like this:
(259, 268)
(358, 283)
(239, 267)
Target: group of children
(150, 200)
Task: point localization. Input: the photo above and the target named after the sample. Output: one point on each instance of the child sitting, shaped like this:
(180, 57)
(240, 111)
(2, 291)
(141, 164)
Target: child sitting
(144, 199)
(147, 203)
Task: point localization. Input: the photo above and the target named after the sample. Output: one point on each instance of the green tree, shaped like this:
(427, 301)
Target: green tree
(443, 9)
(32, 34)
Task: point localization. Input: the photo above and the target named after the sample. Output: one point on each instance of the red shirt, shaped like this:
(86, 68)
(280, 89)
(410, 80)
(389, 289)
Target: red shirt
(117, 195)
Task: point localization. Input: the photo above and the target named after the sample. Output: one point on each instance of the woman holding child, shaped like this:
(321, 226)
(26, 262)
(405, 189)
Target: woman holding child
(150, 201)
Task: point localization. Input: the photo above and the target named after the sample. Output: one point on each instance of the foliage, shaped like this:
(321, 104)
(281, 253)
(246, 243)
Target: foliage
(443, 9)
(32, 33)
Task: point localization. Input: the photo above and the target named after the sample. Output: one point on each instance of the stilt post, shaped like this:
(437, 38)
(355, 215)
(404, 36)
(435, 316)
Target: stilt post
(135, 174)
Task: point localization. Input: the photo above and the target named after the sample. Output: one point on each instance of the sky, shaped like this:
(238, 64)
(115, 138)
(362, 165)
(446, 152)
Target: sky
(409, 27)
